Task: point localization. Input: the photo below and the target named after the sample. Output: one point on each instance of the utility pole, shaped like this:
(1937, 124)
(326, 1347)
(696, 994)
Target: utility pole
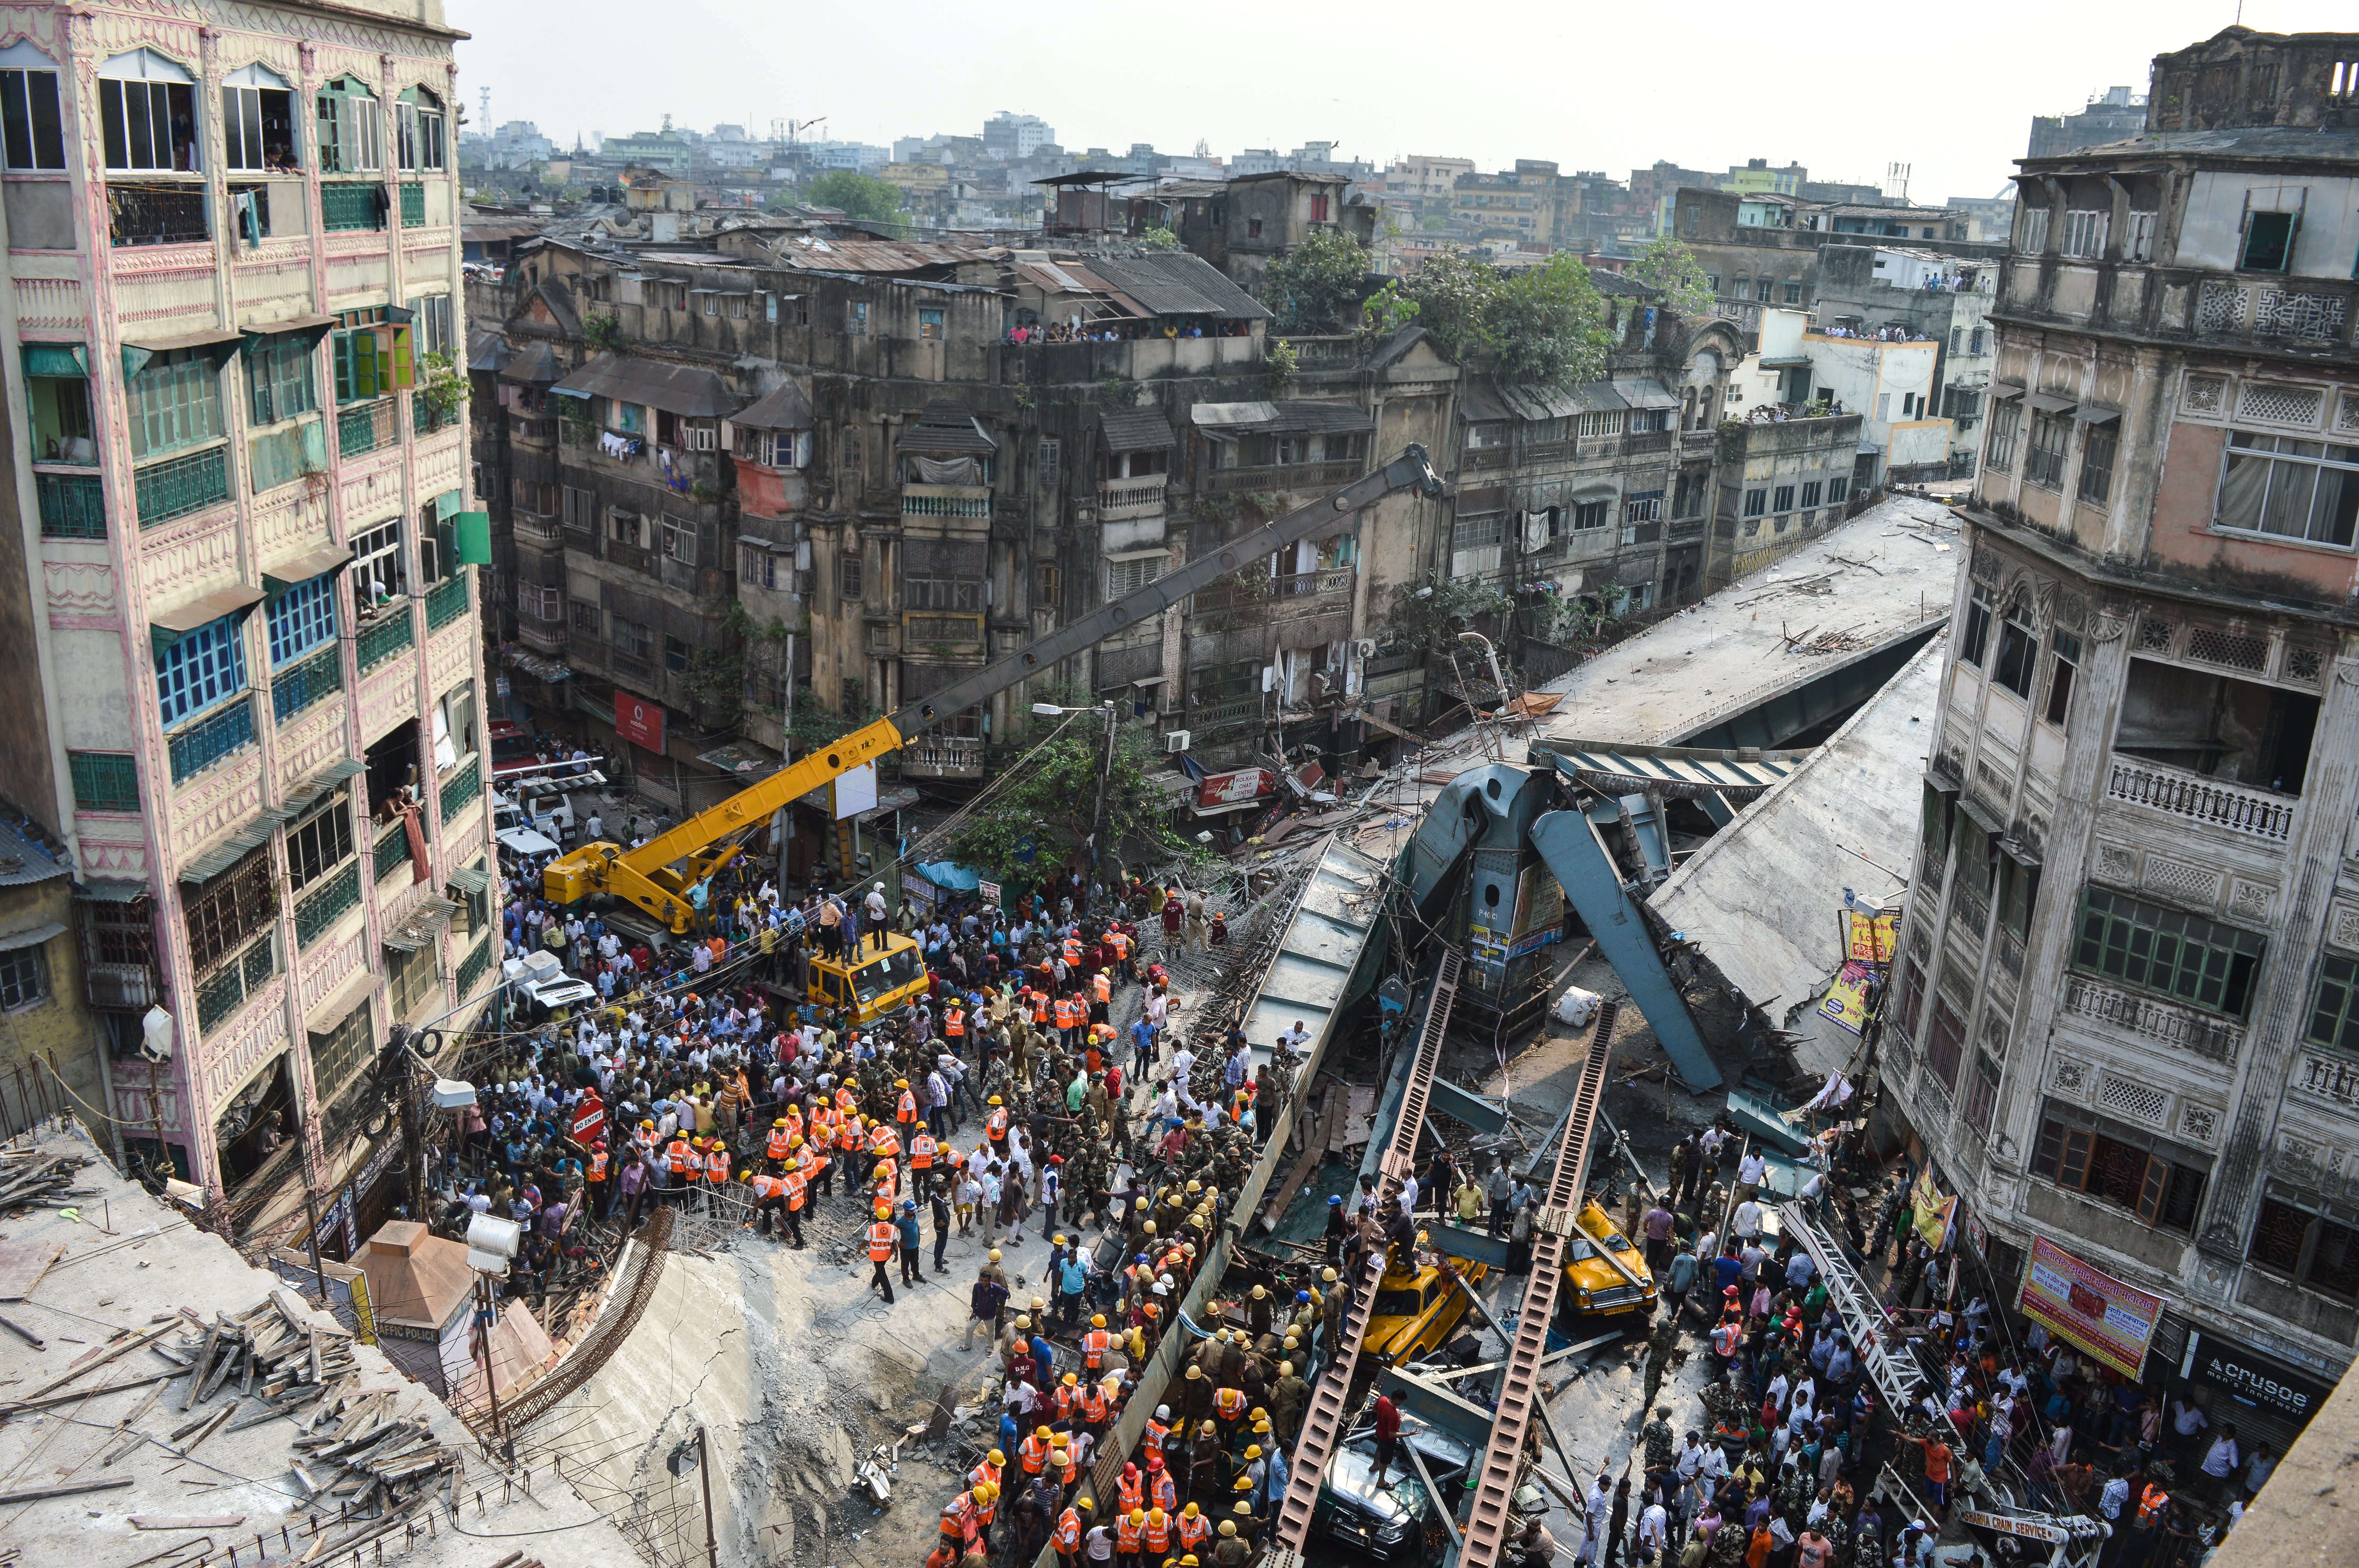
(704, 1473)
(1105, 776)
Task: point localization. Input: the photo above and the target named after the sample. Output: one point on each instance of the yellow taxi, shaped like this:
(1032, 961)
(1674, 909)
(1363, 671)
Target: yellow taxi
(1604, 1275)
(1417, 1311)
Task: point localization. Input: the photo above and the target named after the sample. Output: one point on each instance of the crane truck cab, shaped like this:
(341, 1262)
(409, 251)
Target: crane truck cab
(869, 984)
(1604, 1275)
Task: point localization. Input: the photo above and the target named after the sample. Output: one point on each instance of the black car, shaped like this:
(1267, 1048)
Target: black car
(1399, 1522)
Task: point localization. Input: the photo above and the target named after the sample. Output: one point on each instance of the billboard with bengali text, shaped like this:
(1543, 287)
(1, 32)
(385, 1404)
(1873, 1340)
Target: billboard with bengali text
(2111, 1321)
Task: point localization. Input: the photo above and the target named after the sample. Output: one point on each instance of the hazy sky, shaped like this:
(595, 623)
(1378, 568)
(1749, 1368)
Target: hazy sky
(1842, 88)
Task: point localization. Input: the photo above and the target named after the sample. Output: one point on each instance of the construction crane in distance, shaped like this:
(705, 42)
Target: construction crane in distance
(666, 877)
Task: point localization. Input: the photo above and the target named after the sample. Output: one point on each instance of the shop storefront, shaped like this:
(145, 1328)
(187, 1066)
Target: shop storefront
(2268, 1400)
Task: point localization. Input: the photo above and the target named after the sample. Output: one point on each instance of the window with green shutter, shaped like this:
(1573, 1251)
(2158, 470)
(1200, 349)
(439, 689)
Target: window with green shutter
(103, 781)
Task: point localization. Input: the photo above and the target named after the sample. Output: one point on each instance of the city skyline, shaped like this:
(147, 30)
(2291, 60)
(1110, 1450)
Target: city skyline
(1958, 122)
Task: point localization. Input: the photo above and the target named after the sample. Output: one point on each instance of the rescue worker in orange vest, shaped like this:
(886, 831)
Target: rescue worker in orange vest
(795, 1120)
(994, 1125)
(959, 1514)
(1129, 1533)
(1070, 1019)
(850, 1138)
(1039, 1009)
(954, 1023)
(1156, 1529)
(677, 1155)
(1066, 1396)
(1033, 1451)
(775, 1147)
(817, 1166)
(1159, 1428)
(847, 1102)
(1065, 1463)
(793, 1184)
(923, 1148)
(1129, 1489)
(987, 1512)
(1162, 1489)
(988, 1476)
(1095, 1344)
(1072, 950)
(769, 1199)
(1066, 1536)
(1120, 943)
(905, 1108)
(1093, 1407)
(597, 1179)
(1229, 1411)
(716, 1172)
(1193, 1528)
(884, 1240)
(1101, 996)
(883, 1142)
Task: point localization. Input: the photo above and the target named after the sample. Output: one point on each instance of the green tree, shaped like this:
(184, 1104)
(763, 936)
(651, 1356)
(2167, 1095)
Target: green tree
(1387, 310)
(855, 195)
(1313, 286)
(1669, 265)
(1159, 239)
(1046, 808)
(1430, 618)
(1544, 327)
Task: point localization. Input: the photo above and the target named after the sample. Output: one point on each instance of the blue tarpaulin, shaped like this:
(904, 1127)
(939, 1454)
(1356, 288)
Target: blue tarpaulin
(950, 876)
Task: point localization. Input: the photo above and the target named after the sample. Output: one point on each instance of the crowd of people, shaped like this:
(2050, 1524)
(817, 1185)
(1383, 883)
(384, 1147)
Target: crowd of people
(1007, 1093)
(1076, 330)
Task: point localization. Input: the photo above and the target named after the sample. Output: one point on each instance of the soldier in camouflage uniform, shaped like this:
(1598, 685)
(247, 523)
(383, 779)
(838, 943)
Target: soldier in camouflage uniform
(1660, 1343)
(1657, 1436)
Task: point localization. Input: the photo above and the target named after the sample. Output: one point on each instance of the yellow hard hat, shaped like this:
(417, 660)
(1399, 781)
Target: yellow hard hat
(1253, 1450)
(1190, 1510)
(883, 1209)
(1023, 1322)
(995, 1100)
(994, 1258)
(1286, 1368)
(900, 1083)
(1228, 1527)
(1041, 1432)
(1070, 1380)
(781, 1122)
(1097, 1320)
(998, 1457)
(980, 1494)
(795, 1142)
(1058, 1240)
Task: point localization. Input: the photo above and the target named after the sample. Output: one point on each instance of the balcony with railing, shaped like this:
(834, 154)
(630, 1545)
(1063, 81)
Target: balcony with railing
(1122, 498)
(2151, 1020)
(368, 427)
(532, 430)
(73, 505)
(244, 975)
(1638, 443)
(2275, 312)
(179, 486)
(538, 533)
(350, 204)
(546, 633)
(939, 756)
(390, 634)
(633, 665)
(425, 418)
(1287, 597)
(445, 602)
(325, 902)
(1282, 476)
(1478, 459)
(413, 205)
(2196, 798)
(217, 735)
(460, 790)
(299, 686)
(157, 215)
(391, 851)
(963, 501)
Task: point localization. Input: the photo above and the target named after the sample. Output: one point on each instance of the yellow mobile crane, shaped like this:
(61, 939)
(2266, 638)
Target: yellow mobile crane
(666, 876)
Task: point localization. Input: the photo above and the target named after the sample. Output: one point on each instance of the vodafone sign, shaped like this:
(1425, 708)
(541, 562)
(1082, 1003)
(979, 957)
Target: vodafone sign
(638, 720)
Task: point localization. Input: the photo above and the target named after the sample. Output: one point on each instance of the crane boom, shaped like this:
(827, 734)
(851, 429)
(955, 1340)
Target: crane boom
(649, 876)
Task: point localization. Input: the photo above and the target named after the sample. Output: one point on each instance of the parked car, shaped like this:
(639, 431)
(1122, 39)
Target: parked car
(537, 978)
(1397, 1522)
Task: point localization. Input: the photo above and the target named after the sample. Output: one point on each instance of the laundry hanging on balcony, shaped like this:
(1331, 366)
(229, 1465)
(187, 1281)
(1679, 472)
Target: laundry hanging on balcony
(949, 470)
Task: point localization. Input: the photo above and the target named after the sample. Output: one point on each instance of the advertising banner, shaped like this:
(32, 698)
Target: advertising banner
(1934, 1211)
(1871, 938)
(2254, 1381)
(638, 722)
(1847, 999)
(2111, 1321)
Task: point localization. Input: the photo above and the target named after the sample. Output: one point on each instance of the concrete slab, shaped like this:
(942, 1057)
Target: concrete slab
(1878, 579)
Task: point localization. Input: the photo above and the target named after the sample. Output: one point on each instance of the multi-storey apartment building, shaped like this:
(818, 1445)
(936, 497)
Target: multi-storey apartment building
(2125, 1020)
(232, 265)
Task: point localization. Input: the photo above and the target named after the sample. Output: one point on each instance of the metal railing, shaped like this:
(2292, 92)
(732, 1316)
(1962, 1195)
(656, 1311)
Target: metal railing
(413, 205)
(445, 602)
(73, 505)
(296, 689)
(352, 204)
(222, 992)
(959, 753)
(1282, 476)
(460, 789)
(2179, 1028)
(181, 485)
(157, 215)
(381, 641)
(391, 851)
(322, 905)
(366, 428)
(425, 418)
(209, 740)
(1125, 497)
(2200, 799)
(944, 501)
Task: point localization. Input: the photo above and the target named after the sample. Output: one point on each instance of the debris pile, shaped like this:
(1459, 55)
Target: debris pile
(29, 1176)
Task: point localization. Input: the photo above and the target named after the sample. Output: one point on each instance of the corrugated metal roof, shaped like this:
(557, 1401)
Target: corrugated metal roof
(1641, 392)
(1135, 429)
(873, 256)
(1178, 283)
(536, 362)
(22, 861)
(688, 390)
(946, 428)
(784, 409)
(1680, 772)
(1300, 417)
(486, 350)
(1215, 414)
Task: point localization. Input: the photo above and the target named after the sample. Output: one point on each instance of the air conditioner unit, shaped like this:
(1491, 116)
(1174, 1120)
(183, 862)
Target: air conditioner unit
(1175, 740)
(1366, 647)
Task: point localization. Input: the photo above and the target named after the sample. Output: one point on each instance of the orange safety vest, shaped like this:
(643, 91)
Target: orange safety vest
(1101, 987)
(1040, 1009)
(1094, 1346)
(1068, 1539)
(1064, 1402)
(1159, 1530)
(1072, 951)
(794, 1119)
(984, 1475)
(921, 1151)
(1192, 1530)
(905, 1108)
(886, 1144)
(849, 1137)
(716, 1166)
(847, 1102)
(1121, 945)
(884, 1240)
(960, 1512)
(1125, 1534)
(1130, 1493)
(2151, 1502)
(1229, 1404)
(985, 1512)
(954, 1023)
(997, 1123)
(597, 1165)
(1093, 1403)
(1072, 1466)
(1068, 1015)
(795, 1182)
(677, 1155)
(1153, 1443)
(779, 1145)
(1164, 1490)
(1034, 1452)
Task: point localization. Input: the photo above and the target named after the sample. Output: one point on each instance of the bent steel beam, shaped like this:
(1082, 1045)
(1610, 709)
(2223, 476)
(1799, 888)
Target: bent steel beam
(1568, 843)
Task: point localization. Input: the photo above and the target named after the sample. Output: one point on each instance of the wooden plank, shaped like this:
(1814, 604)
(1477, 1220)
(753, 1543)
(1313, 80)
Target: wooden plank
(124, 1348)
(77, 1489)
(1314, 1149)
(204, 1364)
(22, 1264)
(19, 1407)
